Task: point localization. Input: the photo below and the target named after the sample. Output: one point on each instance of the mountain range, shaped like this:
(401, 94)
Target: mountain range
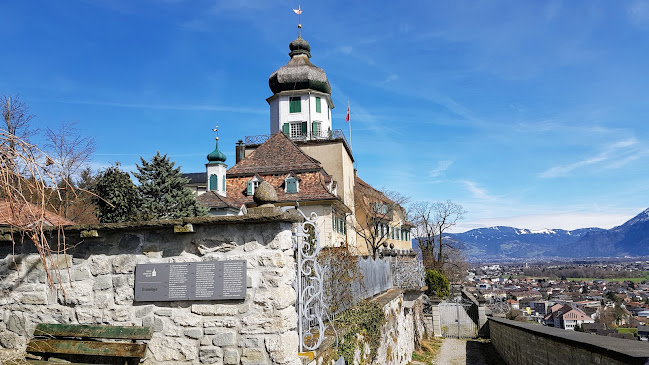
(628, 239)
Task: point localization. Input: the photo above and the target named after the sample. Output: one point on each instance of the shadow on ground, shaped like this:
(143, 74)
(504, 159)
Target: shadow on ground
(481, 352)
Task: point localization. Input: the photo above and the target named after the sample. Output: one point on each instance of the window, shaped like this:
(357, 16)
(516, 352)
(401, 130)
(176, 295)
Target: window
(252, 185)
(291, 185)
(214, 182)
(339, 223)
(298, 129)
(318, 106)
(315, 128)
(295, 104)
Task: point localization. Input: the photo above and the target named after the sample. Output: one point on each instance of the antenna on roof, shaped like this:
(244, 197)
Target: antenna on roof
(298, 11)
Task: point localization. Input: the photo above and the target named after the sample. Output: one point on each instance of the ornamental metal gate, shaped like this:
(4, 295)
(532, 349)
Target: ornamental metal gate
(458, 318)
(312, 313)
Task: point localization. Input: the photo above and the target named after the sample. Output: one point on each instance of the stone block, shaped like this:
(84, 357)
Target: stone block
(214, 309)
(38, 298)
(17, 323)
(283, 348)
(143, 311)
(103, 282)
(250, 246)
(99, 265)
(225, 338)
(173, 349)
(88, 315)
(194, 333)
(165, 312)
(78, 293)
(253, 357)
(124, 264)
(210, 354)
(188, 320)
(231, 356)
(104, 299)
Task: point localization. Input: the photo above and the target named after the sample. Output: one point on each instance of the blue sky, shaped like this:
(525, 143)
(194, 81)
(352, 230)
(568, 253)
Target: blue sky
(531, 114)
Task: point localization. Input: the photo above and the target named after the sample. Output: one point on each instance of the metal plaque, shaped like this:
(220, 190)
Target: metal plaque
(208, 280)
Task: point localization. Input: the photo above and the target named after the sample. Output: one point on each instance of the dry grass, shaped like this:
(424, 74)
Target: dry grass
(430, 348)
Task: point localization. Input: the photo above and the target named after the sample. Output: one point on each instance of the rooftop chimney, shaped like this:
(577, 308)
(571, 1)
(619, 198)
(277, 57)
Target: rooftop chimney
(240, 151)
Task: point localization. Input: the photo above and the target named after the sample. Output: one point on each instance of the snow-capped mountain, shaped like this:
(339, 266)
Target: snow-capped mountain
(629, 239)
(503, 241)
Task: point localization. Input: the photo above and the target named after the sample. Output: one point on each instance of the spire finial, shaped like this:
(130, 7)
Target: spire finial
(216, 129)
(298, 11)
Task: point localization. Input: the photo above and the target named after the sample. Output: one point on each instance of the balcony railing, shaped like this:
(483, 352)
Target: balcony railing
(320, 136)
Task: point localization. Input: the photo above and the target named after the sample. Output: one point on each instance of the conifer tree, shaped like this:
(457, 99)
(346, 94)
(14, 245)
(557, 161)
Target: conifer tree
(163, 192)
(117, 197)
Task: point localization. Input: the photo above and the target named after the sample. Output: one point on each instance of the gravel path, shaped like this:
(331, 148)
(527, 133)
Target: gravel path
(467, 352)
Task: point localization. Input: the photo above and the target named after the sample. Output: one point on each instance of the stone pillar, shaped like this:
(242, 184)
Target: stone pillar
(483, 328)
(437, 324)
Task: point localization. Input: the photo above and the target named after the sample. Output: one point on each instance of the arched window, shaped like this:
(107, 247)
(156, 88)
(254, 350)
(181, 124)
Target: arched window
(214, 182)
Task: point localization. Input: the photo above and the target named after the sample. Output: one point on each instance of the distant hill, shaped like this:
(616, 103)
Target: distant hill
(519, 243)
(629, 239)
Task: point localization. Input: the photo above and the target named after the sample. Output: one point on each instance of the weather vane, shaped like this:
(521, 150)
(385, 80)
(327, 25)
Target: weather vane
(216, 129)
(298, 11)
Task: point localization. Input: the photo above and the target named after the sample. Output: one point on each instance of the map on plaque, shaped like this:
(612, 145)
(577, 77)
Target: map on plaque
(209, 280)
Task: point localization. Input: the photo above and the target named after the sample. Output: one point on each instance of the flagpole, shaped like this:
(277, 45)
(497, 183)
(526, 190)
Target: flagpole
(349, 121)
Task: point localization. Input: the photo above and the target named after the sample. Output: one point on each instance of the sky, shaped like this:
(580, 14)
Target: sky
(531, 114)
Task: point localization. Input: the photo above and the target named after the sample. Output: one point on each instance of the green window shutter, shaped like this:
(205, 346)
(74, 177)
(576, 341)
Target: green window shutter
(314, 128)
(223, 181)
(286, 128)
(304, 131)
(295, 104)
(214, 183)
(249, 188)
(318, 107)
(291, 185)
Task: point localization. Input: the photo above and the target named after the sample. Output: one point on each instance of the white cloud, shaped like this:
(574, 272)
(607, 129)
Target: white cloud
(616, 155)
(559, 220)
(442, 166)
(476, 190)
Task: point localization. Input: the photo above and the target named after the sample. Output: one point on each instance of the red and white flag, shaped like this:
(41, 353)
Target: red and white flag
(298, 11)
(347, 118)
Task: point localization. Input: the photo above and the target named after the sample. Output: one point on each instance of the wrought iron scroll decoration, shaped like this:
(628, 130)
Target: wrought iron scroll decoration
(312, 310)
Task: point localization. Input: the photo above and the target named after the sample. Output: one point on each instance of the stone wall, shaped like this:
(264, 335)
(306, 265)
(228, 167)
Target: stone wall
(525, 343)
(404, 325)
(97, 276)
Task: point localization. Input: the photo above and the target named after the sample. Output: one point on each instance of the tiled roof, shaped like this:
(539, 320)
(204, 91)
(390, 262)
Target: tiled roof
(275, 156)
(196, 177)
(25, 214)
(311, 188)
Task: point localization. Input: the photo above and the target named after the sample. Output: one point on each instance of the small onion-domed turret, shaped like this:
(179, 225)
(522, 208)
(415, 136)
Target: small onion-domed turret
(216, 156)
(299, 73)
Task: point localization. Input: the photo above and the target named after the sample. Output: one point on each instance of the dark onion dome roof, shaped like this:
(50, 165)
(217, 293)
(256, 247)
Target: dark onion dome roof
(299, 73)
(216, 156)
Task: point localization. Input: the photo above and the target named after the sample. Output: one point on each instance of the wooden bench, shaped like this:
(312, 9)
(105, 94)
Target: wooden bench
(82, 344)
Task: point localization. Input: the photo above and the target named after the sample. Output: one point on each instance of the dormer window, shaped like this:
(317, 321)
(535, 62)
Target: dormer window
(252, 185)
(291, 184)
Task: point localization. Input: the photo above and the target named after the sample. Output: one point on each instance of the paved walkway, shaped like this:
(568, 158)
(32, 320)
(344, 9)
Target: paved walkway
(467, 352)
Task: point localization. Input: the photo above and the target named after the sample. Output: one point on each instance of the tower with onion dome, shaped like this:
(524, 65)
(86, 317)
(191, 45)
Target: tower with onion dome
(301, 102)
(216, 169)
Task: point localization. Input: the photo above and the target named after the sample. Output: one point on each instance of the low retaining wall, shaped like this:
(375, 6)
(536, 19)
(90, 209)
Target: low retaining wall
(260, 329)
(522, 343)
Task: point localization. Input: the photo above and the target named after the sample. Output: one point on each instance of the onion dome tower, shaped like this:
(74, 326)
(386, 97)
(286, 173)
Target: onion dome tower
(216, 170)
(301, 102)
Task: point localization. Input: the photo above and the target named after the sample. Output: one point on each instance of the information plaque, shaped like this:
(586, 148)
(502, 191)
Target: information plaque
(209, 280)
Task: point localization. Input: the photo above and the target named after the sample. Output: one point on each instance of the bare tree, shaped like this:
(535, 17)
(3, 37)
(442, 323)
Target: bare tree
(375, 212)
(25, 194)
(432, 220)
(71, 152)
(16, 117)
